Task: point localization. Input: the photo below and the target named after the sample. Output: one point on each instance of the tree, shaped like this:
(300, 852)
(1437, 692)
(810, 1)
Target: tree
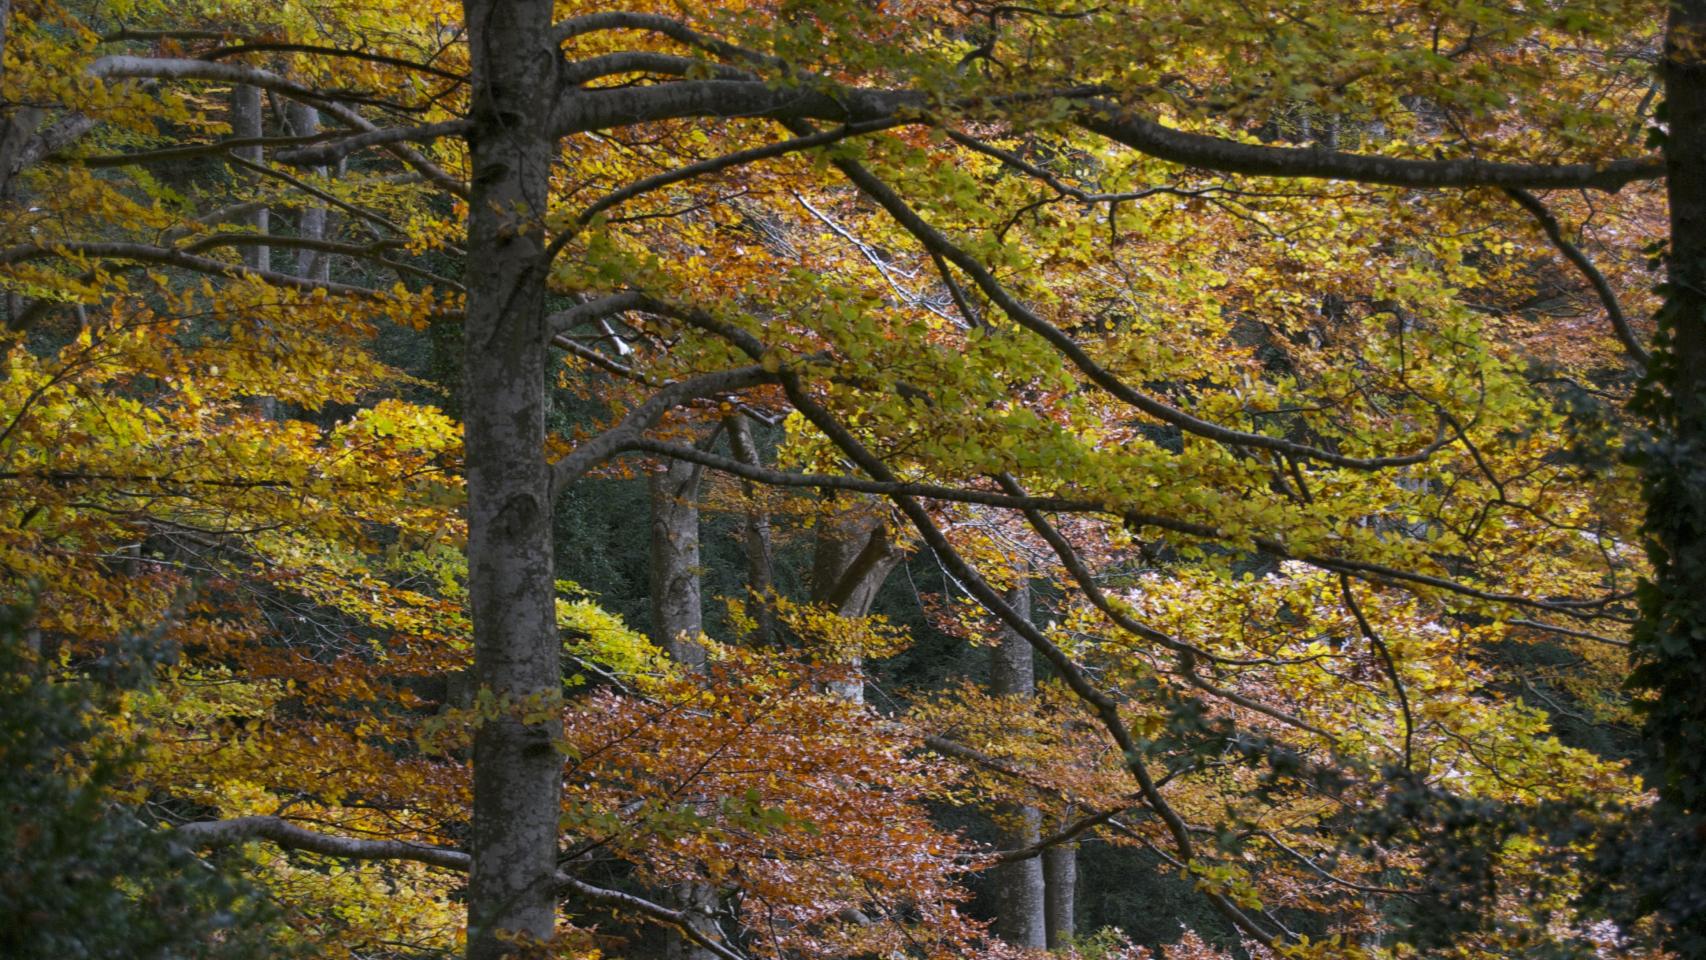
(1228, 312)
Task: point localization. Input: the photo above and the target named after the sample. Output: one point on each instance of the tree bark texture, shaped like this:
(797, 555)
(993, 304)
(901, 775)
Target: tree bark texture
(310, 264)
(1670, 639)
(677, 604)
(1060, 884)
(677, 623)
(1018, 886)
(247, 112)
(517, 653)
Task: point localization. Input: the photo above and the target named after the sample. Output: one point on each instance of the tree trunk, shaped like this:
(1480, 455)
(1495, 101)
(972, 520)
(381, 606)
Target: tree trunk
(852, 556)
(760, 554)
(1060, 881)
(1019, 892)
(677, 605)
(17, 124)
(310, 264)
(677, 624)
(247, 111)
(517, 653)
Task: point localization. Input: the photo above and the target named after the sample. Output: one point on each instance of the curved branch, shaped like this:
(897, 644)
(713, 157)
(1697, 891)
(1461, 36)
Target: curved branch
(1187, 652)
(645, 416)
(218, 833)
(1369, 634)
(1134, 519)
(855, 484)
(1118, 124)
(935, 241)
(1066, 835)
(290, 836)
(1601, 286)
(737, 158)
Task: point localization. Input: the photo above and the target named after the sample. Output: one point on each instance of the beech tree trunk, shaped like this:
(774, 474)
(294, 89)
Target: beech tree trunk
(312, 264)
(247, 112)
(1019, 892)
(677, 604)
(677, 623)
(852, 557)
(1060, 883)
(760, 554)
(517, 653)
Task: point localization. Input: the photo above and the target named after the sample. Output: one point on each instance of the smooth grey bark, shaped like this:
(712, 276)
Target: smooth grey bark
(677, 605)
(311, 264)
(1018, 886)
(517, 653)
(696, 901)
(1060, 888)
(853, 554)
(760, 552)
(247, 112)
(676, 595)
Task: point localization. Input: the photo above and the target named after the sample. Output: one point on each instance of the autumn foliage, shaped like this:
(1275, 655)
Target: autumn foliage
(1279, 355)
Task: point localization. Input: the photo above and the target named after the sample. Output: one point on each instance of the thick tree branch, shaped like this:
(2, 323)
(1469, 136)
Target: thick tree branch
(593, 311)
(1227, 156)
(582, 111)
(330, 152)
(217, 833)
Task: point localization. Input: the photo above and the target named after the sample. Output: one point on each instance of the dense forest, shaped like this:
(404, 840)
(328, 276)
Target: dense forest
(814, 479)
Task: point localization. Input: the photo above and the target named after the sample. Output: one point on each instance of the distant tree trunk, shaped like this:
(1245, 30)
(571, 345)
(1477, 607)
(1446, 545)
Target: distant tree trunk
(1019, 892)
(676, 596)
(518, 773)
(17, 124)
(312, 264)
(677, 623)
(853, 555)
(1060, 881)
(760, 554)
(246, 116)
